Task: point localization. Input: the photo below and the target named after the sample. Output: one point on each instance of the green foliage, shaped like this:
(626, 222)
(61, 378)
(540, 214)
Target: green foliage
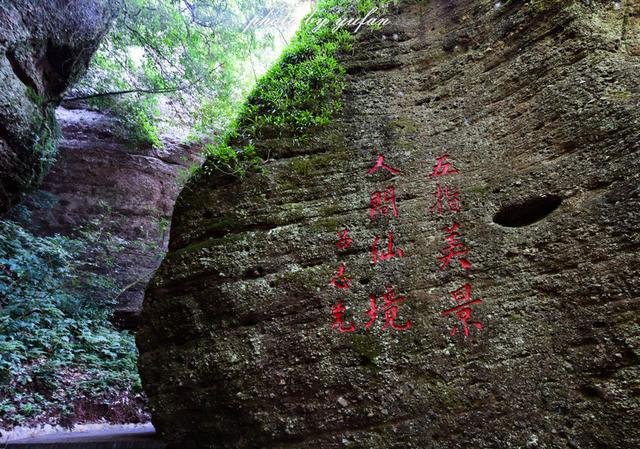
(302, 90)
(139, 117)
(57, 346)
(45, 144)
(185, 174)
(184, 61)
(364, 6)
(222, 157)
(39, 100)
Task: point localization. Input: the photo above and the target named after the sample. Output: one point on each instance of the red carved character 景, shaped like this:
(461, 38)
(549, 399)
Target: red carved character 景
(463, 311)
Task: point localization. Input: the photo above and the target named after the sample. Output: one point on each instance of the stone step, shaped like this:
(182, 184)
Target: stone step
(89, 445)
(143, 438)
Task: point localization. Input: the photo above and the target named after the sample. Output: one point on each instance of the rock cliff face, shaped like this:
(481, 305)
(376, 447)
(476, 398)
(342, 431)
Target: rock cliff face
(127, 190)
(45, 45)
(536, 105)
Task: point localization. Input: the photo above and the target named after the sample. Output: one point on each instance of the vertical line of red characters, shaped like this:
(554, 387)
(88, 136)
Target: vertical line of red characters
(455, 252)
(381, 203)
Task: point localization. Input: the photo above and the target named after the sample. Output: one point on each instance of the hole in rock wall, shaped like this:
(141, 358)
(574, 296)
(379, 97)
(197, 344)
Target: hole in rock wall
(527, 212)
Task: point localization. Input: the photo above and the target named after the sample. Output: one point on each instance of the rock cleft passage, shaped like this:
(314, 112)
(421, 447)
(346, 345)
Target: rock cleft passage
(530, 100)
(103, 181)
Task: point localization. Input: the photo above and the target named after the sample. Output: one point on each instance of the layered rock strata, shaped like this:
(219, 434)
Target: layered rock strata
(536, 105)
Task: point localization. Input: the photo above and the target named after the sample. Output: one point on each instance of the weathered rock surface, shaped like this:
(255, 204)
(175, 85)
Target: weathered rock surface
(127, 191)
(536, 104)
(45, 45)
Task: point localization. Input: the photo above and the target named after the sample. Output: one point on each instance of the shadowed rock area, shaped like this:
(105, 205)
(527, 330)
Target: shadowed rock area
(125, 189)
(45, 46)
(536, 104)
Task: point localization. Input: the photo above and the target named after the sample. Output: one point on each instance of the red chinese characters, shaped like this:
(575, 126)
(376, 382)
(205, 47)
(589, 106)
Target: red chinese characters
(385, 255)
(382, 202)
(463, 311)
(381, 165)
(344, 241)
(338, 319)
(454, 250)
(442, 167)
(390, 309)
(445, 194)
(448, 200)
(442, 195)
(340, 280)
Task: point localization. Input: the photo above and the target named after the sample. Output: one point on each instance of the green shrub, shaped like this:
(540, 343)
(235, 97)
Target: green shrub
(57, 345)
(301, 92)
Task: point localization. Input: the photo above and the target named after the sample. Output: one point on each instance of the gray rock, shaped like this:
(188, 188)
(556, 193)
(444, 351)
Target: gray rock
(45, 45)
(537, 105)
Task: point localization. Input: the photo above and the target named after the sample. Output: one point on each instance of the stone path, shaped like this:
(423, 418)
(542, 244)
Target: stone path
(139, 438)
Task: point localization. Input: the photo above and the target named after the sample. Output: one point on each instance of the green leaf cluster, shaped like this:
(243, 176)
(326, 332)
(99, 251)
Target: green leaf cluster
(302, 91)
(186, 62)
(57, 345)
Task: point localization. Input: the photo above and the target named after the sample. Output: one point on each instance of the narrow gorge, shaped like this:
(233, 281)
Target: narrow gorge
(126, 190)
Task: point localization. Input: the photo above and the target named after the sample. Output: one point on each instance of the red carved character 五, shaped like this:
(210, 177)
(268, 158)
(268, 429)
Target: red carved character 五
(443, 167)
(340, 280)
(390, 309)
(338, 319)
(383, 202)
(463, 311)
(385, 255)
(454, 250)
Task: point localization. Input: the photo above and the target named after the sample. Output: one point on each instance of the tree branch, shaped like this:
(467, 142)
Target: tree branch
(128, 91)
(166, 90)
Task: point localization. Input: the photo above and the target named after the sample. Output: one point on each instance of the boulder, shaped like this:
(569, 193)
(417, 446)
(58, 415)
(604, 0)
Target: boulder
(535, 105)
(45, 46)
